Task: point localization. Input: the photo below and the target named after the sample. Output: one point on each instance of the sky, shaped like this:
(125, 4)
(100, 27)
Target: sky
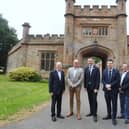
(44, 16)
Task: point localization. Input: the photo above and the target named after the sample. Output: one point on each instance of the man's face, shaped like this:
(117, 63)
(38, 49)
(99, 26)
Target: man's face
(76, 63)
(90, 61)
(124, 67)
(110, 64)
(59, 67)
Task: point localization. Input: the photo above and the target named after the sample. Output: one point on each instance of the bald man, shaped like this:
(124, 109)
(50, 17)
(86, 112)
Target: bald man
(74, 79)
(56, 89)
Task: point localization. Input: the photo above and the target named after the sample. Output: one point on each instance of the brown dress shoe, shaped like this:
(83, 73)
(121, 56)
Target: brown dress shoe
(78, 117)
(69, 114)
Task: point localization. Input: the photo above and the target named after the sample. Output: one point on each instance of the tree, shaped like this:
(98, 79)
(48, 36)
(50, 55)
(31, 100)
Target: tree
(8, 39)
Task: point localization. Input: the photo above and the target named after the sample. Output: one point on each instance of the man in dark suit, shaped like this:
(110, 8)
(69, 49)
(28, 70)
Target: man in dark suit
(91, 84)
(111, 84)
(56, 89)
(121, 93)
(124, 88)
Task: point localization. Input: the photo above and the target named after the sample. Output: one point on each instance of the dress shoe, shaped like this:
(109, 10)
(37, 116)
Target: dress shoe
(78, 117)
(126, 121)
(54, 118)
(69, 114)
(114, 122)
(60, 116)
(95, 118)
(107, 118)
(120, 117)
(88, 115)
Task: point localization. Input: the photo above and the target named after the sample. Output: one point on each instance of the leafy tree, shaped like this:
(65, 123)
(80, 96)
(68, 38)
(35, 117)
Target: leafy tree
(8, 39)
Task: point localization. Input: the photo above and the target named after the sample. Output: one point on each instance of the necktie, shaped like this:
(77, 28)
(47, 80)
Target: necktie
(109, 75)
(90, 70)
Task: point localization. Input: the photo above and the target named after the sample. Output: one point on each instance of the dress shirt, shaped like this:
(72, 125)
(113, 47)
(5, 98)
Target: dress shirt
(122, 77)
(59, 74)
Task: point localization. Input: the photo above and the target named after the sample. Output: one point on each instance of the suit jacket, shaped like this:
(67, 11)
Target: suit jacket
(92, 81)
(56, 86)
(125, 85)
(114, 81)
(77, 79)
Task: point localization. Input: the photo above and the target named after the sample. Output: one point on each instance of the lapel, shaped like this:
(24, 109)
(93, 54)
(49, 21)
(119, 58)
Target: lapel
(56, 73)
(106, 73)
(93, 69)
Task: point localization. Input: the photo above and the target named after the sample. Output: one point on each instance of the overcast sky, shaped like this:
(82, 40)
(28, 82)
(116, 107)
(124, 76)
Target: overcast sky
(44, 16)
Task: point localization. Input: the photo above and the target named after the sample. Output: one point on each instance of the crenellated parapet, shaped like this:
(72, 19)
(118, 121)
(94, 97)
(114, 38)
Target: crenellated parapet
(95, 10)
(47, 36)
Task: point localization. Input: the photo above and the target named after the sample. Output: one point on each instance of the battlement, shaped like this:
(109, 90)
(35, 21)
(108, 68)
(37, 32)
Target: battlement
(46, 36)
(95, 10)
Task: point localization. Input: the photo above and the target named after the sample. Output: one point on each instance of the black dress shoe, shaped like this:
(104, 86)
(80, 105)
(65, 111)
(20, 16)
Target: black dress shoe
(120, 117)
(88, 115)
(60, 116)
(95, 118)
(107, 118)
(53, 118)
(126, 121)
(114, 122)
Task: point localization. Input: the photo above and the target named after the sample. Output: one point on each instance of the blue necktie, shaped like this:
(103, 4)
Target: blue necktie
(109, 75)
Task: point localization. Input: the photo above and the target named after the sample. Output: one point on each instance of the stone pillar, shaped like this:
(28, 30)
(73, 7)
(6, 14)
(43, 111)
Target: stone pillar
(69, 33)
(122, 31)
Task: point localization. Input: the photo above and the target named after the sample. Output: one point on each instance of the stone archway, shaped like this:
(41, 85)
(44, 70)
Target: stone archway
(97, 51)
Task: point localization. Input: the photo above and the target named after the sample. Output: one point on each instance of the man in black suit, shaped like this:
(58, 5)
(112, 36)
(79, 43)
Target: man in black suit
(124, 88)
(111, 84)
(91, 85)
(56, 89)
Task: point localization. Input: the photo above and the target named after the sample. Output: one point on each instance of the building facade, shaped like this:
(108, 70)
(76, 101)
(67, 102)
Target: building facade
(89, 31)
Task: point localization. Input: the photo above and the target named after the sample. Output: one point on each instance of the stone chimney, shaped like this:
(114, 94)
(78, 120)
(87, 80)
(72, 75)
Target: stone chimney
(26, 27)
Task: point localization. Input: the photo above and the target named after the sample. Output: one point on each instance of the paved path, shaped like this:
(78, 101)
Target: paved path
(42, 119)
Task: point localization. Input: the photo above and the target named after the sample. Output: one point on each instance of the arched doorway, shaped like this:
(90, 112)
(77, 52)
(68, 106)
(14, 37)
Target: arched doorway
(95, 50)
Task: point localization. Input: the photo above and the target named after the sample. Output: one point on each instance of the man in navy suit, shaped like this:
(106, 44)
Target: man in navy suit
(91, 85)
(124, 88)
(111, 84)
(56, 89)
(121, 93)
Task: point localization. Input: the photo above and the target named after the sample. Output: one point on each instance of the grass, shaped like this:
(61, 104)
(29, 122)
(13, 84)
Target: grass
(17, 96)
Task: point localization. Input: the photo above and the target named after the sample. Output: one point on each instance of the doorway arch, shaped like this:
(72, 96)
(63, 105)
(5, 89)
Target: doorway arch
(95, 50)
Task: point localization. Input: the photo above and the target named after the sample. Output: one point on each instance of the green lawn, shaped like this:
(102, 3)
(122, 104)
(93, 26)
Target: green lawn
(17, 96)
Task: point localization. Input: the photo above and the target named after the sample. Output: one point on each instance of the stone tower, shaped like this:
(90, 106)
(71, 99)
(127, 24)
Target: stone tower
(69, 32)
(95, 31)
(122, 29)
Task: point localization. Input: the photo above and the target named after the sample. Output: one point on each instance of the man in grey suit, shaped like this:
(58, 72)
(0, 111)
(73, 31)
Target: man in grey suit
(74, 79)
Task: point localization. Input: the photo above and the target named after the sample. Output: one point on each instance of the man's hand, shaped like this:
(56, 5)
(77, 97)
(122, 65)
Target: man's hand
(51, 93)
(108, 86)
(95, 91)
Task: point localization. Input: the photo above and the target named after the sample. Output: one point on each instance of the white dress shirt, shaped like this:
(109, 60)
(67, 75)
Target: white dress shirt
(122, 77)
(59, 74)
(75, 72)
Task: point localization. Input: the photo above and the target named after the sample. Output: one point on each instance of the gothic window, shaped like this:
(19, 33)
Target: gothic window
(47, 61)
(87, 31)
(99, 31)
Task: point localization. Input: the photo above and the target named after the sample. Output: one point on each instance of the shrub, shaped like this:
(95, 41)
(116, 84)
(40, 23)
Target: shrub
(24, 74)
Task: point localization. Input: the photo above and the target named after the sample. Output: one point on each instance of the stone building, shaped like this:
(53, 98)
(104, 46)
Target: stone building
(89, 31)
